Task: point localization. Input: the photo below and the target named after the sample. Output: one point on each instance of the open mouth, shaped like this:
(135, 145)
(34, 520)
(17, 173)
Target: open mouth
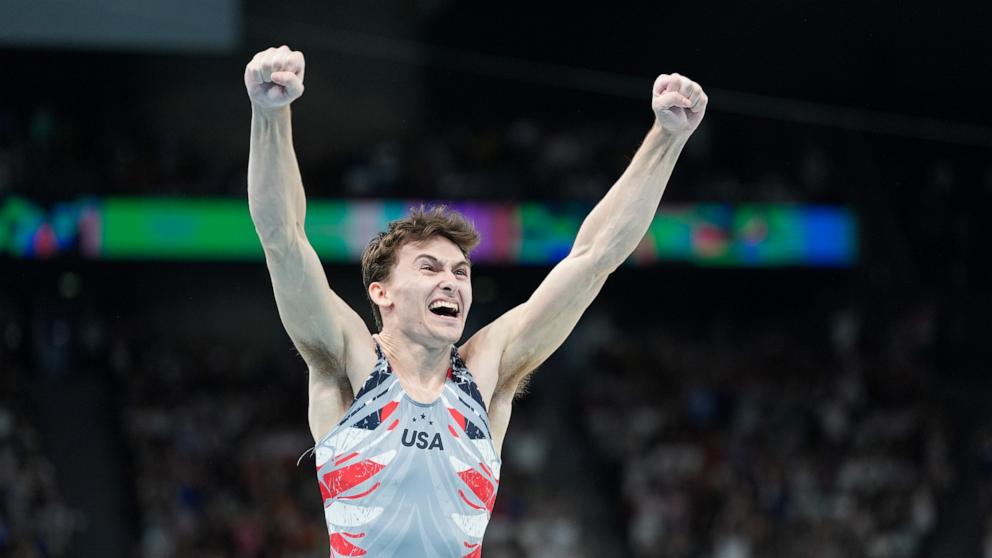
(444, 308)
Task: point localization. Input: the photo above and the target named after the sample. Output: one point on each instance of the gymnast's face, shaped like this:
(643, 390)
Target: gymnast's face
(429, 292)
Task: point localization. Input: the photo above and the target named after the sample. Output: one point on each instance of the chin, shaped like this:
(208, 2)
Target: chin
(449, 333)
(452, 335)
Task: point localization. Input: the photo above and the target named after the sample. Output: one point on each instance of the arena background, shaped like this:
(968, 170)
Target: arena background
(713, 402)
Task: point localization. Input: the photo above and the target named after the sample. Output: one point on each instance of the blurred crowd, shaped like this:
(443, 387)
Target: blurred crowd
(215, 442)
(35, 520)
(760, 444)
(48, 154)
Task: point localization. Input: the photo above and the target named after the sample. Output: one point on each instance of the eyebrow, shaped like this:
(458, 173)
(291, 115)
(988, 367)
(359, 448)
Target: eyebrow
(460, 263)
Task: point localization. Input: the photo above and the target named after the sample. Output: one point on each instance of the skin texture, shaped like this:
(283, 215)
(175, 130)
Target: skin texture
(334, 340)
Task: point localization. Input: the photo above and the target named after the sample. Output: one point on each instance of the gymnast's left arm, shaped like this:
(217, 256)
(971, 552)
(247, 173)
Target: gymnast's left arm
(529, 333)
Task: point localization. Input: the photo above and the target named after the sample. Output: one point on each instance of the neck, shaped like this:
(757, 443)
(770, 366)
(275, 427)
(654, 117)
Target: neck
(415, 362)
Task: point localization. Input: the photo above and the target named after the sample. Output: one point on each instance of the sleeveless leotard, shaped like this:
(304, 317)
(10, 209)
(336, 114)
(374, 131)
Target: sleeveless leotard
(408, 479)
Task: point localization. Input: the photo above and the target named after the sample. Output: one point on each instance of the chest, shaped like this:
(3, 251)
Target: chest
(391, 430)
(423, 428)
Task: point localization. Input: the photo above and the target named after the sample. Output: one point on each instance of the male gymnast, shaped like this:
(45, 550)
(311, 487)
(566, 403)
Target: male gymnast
(407, 439)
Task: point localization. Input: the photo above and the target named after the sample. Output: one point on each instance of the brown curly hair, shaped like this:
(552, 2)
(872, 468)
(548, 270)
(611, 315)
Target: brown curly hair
(421, 224)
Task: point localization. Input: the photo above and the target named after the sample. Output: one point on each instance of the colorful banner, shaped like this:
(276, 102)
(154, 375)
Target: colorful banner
(215, 229)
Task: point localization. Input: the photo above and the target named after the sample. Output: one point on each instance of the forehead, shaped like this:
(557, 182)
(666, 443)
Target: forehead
(438, 247)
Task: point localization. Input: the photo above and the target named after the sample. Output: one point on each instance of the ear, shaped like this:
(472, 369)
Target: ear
(379, 295)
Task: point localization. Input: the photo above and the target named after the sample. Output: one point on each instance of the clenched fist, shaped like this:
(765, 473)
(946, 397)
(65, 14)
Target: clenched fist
(678, 103)
(274, 77)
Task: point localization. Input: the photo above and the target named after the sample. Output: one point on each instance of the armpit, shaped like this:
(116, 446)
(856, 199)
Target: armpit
(320, 360)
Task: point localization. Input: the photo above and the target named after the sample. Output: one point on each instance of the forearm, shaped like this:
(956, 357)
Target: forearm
(275, 189)
(611, 232)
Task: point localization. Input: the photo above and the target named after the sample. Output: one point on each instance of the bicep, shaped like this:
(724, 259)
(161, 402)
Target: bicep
(534, 330)
(318, 321)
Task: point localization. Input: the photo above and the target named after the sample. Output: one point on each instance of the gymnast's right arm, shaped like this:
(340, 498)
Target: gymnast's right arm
(322, 326)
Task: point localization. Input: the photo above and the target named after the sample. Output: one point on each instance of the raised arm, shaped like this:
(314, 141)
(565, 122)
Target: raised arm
(322, 326)
(525, 336)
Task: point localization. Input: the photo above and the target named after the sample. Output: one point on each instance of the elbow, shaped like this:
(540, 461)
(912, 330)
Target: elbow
(607, 249)
(271, 233)
(601, 258)
(273, 227)
(606, 264)
(276, 239)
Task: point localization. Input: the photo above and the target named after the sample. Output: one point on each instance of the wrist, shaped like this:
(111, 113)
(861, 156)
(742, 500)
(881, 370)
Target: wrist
(270, 113)
(666, 138)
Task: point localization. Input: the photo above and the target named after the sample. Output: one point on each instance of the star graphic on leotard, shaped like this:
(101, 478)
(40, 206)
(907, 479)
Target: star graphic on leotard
(423, 416)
